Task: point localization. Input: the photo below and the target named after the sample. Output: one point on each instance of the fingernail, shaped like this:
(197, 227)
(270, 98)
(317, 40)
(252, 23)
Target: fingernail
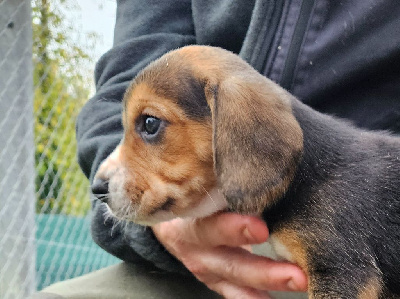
(292, 286)
(247, 234)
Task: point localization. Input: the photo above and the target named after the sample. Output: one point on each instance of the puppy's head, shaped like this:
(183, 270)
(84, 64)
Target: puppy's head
(196, 119)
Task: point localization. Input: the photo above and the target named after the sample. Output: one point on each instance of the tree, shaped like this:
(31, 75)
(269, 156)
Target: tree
(61, 88)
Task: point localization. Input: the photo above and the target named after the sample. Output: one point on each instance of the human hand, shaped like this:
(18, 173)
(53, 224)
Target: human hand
(216, 250)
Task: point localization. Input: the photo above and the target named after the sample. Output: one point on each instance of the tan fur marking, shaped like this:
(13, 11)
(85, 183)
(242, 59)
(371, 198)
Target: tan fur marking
(180, 167)
(297, 249)
(371, 290)
(290, 239)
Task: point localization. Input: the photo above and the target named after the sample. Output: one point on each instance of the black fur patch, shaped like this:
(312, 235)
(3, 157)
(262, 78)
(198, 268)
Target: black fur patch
(345, 204)
(176, 82)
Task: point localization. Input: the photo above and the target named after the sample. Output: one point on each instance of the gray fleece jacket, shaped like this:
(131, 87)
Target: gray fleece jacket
(339, 57)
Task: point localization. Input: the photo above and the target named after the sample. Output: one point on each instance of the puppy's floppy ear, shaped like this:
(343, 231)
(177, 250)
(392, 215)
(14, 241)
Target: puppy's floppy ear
(257, 142)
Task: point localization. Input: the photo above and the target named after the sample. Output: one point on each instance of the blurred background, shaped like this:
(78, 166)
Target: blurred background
(48, 50)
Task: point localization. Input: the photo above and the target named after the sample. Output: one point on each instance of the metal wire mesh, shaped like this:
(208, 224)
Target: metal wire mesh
(44, 197)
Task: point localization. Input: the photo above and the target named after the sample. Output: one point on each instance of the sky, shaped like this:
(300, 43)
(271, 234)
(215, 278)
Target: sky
(89, 16)
(96, 16)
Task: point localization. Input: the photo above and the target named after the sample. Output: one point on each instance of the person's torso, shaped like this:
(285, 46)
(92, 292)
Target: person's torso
(339, 57)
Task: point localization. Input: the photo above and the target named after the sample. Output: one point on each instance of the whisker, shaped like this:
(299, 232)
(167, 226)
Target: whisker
(209, 195)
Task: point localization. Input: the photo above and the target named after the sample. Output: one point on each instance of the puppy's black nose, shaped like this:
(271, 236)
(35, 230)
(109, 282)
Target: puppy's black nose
(100, 189)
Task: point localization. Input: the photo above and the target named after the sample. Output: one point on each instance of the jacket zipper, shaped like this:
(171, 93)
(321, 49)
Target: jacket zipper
(269, 34)
(295, 44)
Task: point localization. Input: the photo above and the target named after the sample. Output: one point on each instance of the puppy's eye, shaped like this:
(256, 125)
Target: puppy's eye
(151, 125)
(150, 128)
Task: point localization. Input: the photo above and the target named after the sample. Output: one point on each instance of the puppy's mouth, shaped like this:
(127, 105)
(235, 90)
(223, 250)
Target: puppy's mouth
(133, 215)
(147, 209)
(151, 215)
(123, 208)
(166, 206)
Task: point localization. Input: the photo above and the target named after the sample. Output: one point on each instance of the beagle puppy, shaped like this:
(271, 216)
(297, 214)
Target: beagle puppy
(200, 118)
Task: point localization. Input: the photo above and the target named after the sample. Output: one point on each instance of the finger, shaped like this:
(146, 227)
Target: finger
(227, 229)
(231, 291)
(238, 266)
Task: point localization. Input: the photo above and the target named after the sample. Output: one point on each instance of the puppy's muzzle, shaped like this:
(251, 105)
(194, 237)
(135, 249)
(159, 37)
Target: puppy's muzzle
(100, 189)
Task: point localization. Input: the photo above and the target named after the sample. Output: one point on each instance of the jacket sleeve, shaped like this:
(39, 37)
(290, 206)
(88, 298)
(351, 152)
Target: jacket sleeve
(144, 31)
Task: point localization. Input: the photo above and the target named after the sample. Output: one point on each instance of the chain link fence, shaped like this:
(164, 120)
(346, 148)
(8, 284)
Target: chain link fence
(44, 197)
